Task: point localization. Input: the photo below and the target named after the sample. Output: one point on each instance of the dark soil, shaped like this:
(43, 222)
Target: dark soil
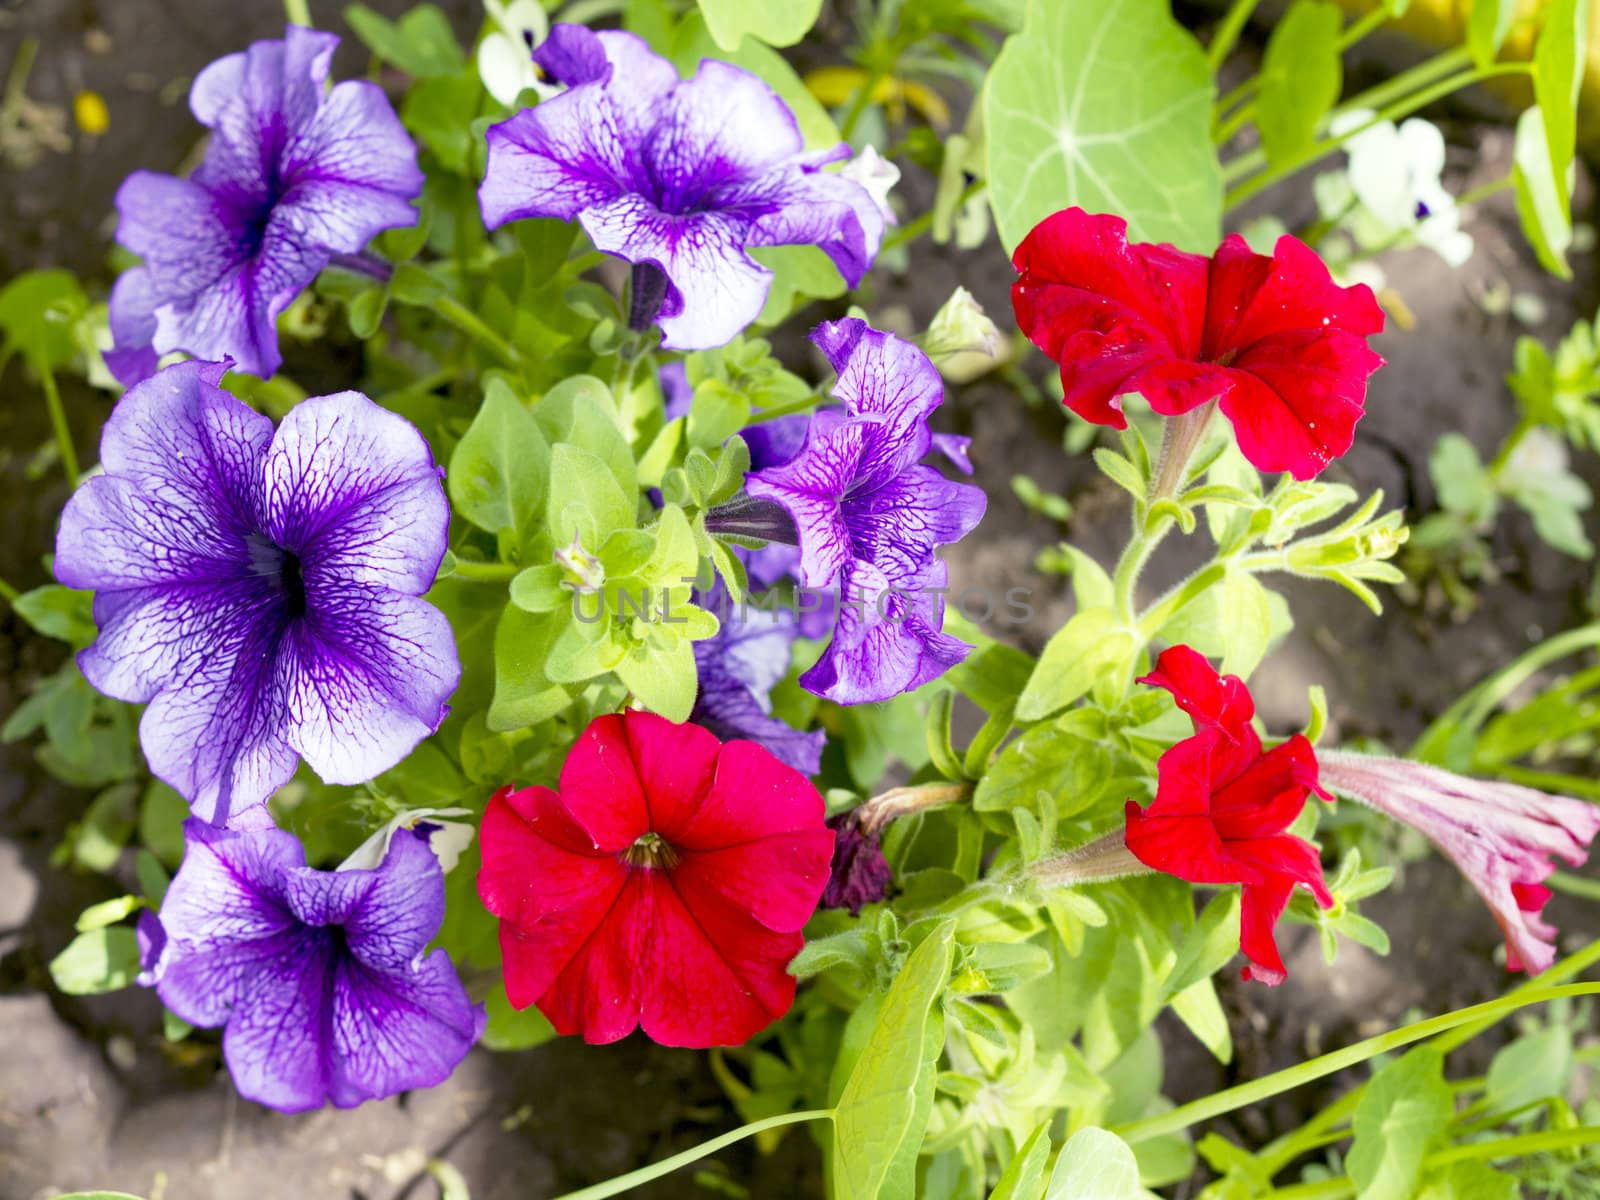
(92, 1096)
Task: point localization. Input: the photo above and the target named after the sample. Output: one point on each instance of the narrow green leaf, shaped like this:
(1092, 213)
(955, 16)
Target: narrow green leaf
(883, 1111)
(1301, 74)
(1487, 28)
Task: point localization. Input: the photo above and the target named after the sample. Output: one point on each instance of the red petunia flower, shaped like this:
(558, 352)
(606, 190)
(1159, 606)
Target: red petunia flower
(664, 886)
(1222, 805)
(1275, 341)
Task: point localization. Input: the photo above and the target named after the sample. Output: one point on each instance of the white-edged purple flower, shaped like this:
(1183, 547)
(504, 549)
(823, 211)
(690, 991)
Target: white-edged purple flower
(679, 177)
(869, 517)
(1502, 836)
(738, 669)
(320, 980)
(261, 589)
(294, 175)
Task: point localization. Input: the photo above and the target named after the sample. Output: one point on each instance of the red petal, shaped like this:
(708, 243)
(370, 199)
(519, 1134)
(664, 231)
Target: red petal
(1105, 310)
(1252, 297)
(1297, 397)
(1291, 859)
(1176, 833)
(777, 880)
(1267, 797)
(753, 796)
(543, 879)
(1260, 907)
(714, 977)
(1174, 385)
(600, 786)
(599, 989)
(1296, 344)
(1210, 698)
(675, 764)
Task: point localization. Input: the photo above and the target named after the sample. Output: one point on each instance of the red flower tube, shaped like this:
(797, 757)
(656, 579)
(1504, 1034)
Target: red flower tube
(1222, 806)
(1279, 345)
(664, 886)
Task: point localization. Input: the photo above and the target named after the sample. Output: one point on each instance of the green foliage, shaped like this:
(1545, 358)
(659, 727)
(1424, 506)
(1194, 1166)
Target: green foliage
(421, 43)
(1106, 106)
(97, 960)
(776, 22)
(1301, 75)
(1402, 1111)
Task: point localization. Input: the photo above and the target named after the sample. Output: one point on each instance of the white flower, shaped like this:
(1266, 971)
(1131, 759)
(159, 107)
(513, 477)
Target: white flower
(1394, 172)
(448, 840)
(505, 56)
(877, 175)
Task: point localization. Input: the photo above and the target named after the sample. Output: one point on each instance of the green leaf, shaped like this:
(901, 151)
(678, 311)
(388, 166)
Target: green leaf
(499, 471)
(1487, 28)
(1473, 1179)
(1089, 646)
(1023, 1178)
(421, 43)
(1106, 106)
(1532, 1068)
(1543, 201)
(1095, 1165)
(660, 672)
(800, 274)
(582, 412)
(508, 1029)
(1301, 74)
(365, 312)
(98, 1196)
(38, 310)
(1047, 764)
(1557, 80)
(586, 501)
(108, 912)
(161, 817)
(59, 612)
(718, 413)
(1402, 1110)
(101, 960)
(883, 1111)
(776, 22)
(523, 695)
(1234, 620)
(692, 41)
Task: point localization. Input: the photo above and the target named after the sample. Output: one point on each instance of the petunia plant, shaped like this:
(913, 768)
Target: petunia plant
(608, 658)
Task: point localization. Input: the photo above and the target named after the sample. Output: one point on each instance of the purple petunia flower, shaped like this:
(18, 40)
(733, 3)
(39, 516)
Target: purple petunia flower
(259, 589)
(738, 669)
(295, 174)
(679, 177)
(869, 517)
(319, 979)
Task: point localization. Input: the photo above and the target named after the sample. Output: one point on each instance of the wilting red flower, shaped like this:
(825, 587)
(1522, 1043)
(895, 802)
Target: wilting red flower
(664, 886)
(1503, 837)
(1222, 806)
(1274, 340)
(860, 874)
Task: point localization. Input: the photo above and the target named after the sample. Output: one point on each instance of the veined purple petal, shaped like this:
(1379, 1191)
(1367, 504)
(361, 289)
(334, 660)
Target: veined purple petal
(714, 289)
(132, 315)
(353, 490)
(773, 443)
(572, 55)
(896, 526)
(883, 378)
(260, 591)
(794, 207)
(954, 447)
(886, 638)
(318, 978)
(364, 677)
(677, 393)
(812, 486)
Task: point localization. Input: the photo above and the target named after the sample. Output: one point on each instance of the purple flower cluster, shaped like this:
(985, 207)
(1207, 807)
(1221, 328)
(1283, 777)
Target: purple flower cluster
(261, 589)
(320, 980)
(294, 175)
(679, 177)
(869, 517)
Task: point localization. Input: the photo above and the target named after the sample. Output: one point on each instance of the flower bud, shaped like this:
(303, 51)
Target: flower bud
(961, 340)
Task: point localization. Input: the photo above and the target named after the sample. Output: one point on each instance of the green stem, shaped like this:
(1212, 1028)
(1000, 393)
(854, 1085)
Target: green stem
(858, 104)
(1509, 447)
(784, 410)
(1483, 192)
(912, 230)
(8, 593)
(1241, 117)
(1177, 599)
(666, 1166)
(485, 572)
(1362, 26)
(58, 419)
(1125, 580)
(1227, 34)
(1417, 100)
(298, 12)
(1257, 1090)
(464, 319)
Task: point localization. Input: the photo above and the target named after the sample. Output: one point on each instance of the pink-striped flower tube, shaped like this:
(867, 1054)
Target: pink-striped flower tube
(1503, 837)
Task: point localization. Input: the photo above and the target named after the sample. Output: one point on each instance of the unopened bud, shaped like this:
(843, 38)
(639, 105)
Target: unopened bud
(961, 340)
